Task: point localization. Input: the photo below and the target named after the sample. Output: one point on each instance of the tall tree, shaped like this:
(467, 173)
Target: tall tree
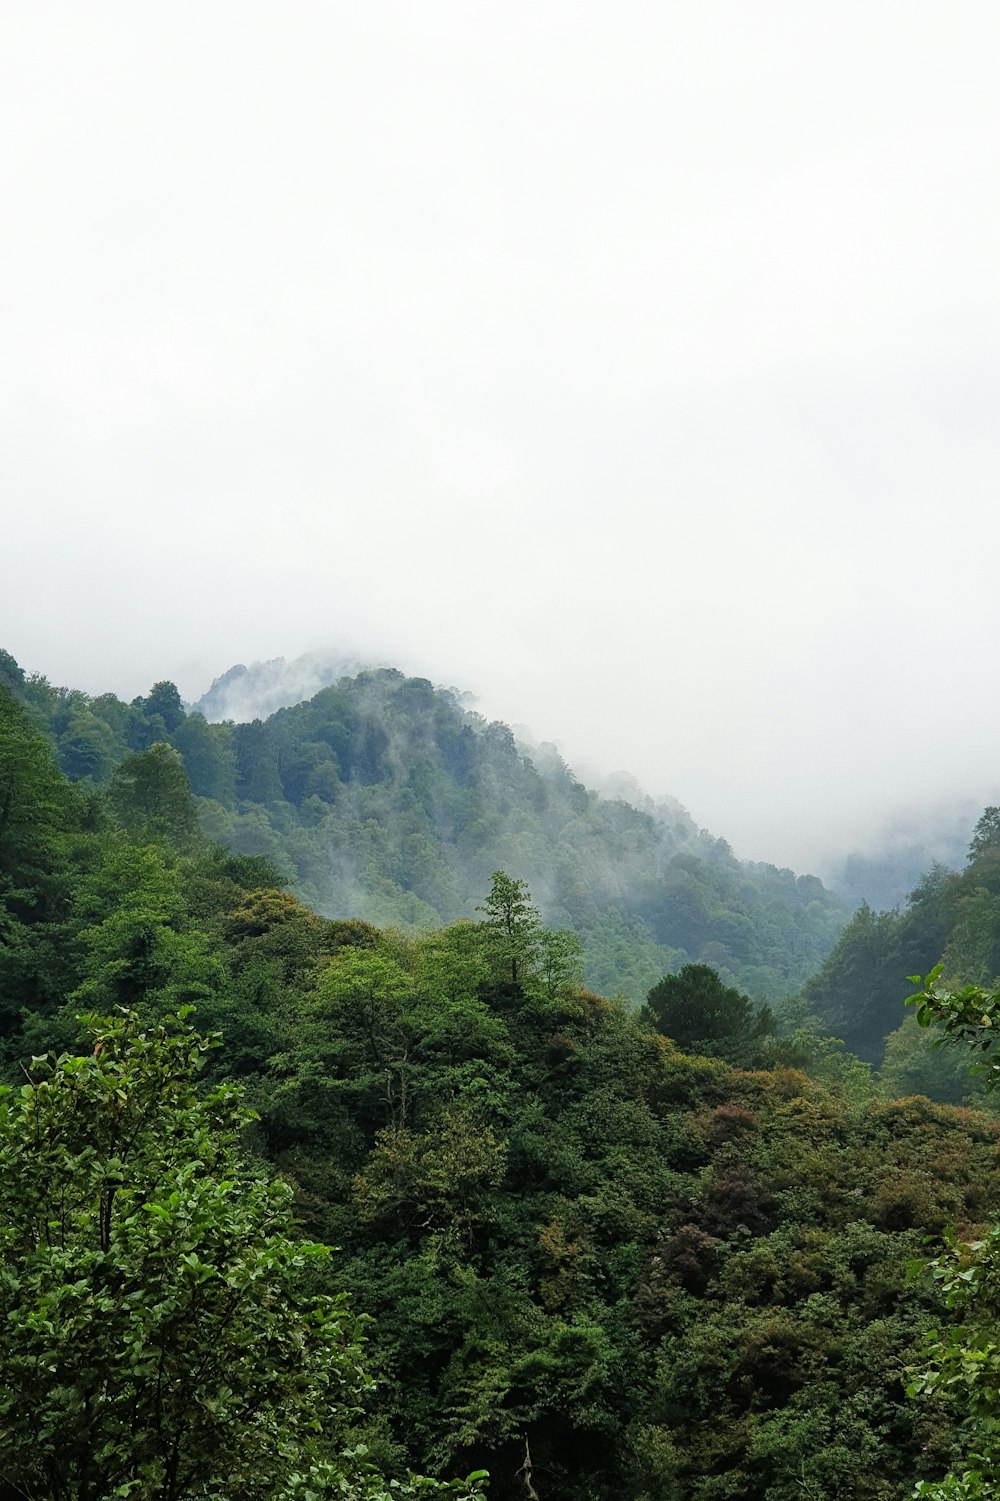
(860, 991)
(39, 814)
(151, 796)
(164, 701)
(511, 926)
(986, 835)
(209, 758)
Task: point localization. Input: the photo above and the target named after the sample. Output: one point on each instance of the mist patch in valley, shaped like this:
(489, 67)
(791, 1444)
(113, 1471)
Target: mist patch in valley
(886, 868)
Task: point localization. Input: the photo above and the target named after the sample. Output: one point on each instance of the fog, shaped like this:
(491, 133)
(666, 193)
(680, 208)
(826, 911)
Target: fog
(632, 367)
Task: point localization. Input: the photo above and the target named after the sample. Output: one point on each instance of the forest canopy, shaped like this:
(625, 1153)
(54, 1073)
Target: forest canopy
(597, 1260)
(607, 1251)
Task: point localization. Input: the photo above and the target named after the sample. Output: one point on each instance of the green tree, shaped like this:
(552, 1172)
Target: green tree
(511, 927)
(11, 673)
(161, 1336)
(209, 759)
(365, 993)
(37, 808)
(86, 747)
(151, 796)
(702, 1015)
(136, 945)
(860, 991)
(40, 817)
(913, 1065)
(560, 960)
(164, 701)
(257, 779)
(986, 835)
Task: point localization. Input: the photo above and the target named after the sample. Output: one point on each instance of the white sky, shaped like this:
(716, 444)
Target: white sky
(635, 366)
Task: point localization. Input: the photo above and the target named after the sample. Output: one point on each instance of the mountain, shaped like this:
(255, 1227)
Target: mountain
(384, 798)
(245, 693)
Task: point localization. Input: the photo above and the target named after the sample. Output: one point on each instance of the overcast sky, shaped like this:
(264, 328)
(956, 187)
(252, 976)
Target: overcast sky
(635, 366)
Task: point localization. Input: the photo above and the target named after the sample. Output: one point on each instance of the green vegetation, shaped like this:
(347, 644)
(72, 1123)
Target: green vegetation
(382, 798)
(597, 1262)
(160, 1336)
(962, 1362)
(701, 1015)
(860, 991)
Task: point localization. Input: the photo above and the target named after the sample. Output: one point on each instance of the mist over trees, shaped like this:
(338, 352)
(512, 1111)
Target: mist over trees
(246, 693)
(384, 798)
(901, 853)
(860, 991)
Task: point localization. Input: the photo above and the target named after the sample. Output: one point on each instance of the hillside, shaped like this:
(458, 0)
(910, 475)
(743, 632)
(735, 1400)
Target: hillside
(649, 1275)
(384, 798)
(860, 990)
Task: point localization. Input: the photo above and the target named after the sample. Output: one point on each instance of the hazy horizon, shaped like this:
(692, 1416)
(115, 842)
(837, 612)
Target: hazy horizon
(634, 371)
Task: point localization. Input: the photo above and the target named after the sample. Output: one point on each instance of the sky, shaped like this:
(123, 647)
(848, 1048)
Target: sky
(635, 367)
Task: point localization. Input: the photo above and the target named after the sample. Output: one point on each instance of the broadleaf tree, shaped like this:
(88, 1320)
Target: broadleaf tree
(161, 1335)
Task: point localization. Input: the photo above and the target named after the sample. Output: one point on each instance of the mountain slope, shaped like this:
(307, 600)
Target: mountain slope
(658, 1275)
(384, 798)
(860, 990)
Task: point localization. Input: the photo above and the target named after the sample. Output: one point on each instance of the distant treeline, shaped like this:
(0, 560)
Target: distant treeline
(383, 798)
(860, 990)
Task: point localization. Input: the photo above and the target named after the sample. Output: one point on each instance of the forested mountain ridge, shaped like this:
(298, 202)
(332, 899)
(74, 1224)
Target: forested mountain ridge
(383, 797)
(660, 1277)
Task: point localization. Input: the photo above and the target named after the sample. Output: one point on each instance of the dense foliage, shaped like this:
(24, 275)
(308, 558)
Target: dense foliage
(161, 1335)
(702, 1015)
(157, 1336)
(383, 798)
(962, 1360)
(860, 991)
(597, 1264)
